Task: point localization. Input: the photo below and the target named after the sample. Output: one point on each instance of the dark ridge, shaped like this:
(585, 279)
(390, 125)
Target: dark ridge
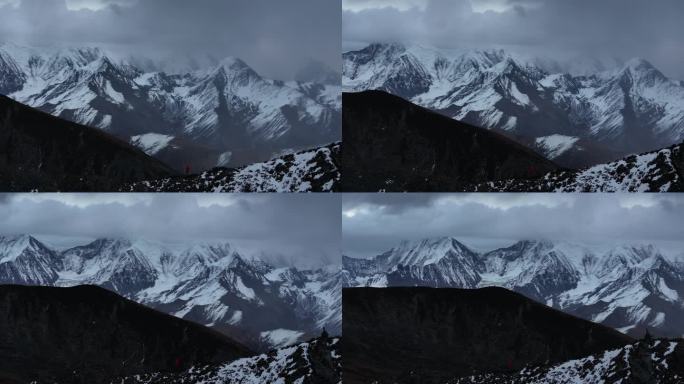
(393, 145)
(87, 334)
(397, 335)
(45, 153)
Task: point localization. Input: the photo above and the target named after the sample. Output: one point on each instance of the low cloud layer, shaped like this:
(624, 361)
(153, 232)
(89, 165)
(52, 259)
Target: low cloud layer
(292, 229)
(373, 223)
(559, 29)
(277, 38)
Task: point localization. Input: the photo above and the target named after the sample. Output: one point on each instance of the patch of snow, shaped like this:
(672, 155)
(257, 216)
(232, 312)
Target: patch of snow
(555, 145)
(151, 143)
(281, 337)
(224, 159)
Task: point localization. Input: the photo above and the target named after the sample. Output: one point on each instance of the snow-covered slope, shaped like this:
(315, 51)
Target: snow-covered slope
(625, 287)
(209, 283)
(314, 170)
(646, 361)
(656, 171)
(632, 108)
(316, 361)
(227, 106)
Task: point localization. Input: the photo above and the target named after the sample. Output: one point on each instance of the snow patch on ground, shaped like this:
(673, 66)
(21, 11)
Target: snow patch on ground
(281, 337)
(555, 145)
(224, 159)
(151, 143)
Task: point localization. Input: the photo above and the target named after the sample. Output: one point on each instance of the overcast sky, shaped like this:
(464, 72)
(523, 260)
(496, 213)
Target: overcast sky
(276, 38)
(302, 229)
(374, 223)
(549, 28)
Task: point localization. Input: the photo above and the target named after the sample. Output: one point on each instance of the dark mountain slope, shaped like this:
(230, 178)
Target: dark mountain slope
(89, 335)
(426, 335)
(391, 144)
(45, 153)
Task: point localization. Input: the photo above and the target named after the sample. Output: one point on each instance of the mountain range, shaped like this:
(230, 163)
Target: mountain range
(223, 115)
(208, 283)
(576, 120)
(632, 288)
(425, 335)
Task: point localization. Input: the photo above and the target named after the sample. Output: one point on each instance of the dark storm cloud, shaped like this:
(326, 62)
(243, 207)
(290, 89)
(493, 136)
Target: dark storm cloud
(302, 229)
(556, 28)
(374, 223)
(277, 38)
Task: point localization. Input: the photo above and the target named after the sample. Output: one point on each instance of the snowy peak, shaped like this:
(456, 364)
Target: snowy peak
(76, 58)
(641, 75)
(11, 247)
(233, 71)
(426, 251)
(233, 64)
(638, 64)
(26, 261)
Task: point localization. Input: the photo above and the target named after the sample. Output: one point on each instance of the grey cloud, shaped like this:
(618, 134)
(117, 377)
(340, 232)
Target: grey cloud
(487, 221)
(304, 230)
(553, 28)
(277, 38)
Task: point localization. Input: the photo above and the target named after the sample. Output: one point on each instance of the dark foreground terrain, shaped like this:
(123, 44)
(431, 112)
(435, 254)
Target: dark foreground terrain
(90, 335)
(391, 144)
(428, 335)
(39, 152)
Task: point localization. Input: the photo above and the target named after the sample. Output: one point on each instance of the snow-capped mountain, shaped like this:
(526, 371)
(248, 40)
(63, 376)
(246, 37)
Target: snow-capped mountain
(629, 288)
(646, 361)
(25, 260)
(632, 108)
(208, 283)
(656, 171)
(227, 107)
(317, 361)
(314, 170)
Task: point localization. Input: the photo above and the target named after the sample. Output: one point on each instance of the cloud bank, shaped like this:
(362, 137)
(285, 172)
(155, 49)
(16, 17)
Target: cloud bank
(557, 29)
(277, 38)
(373, 223)
(292, 229)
